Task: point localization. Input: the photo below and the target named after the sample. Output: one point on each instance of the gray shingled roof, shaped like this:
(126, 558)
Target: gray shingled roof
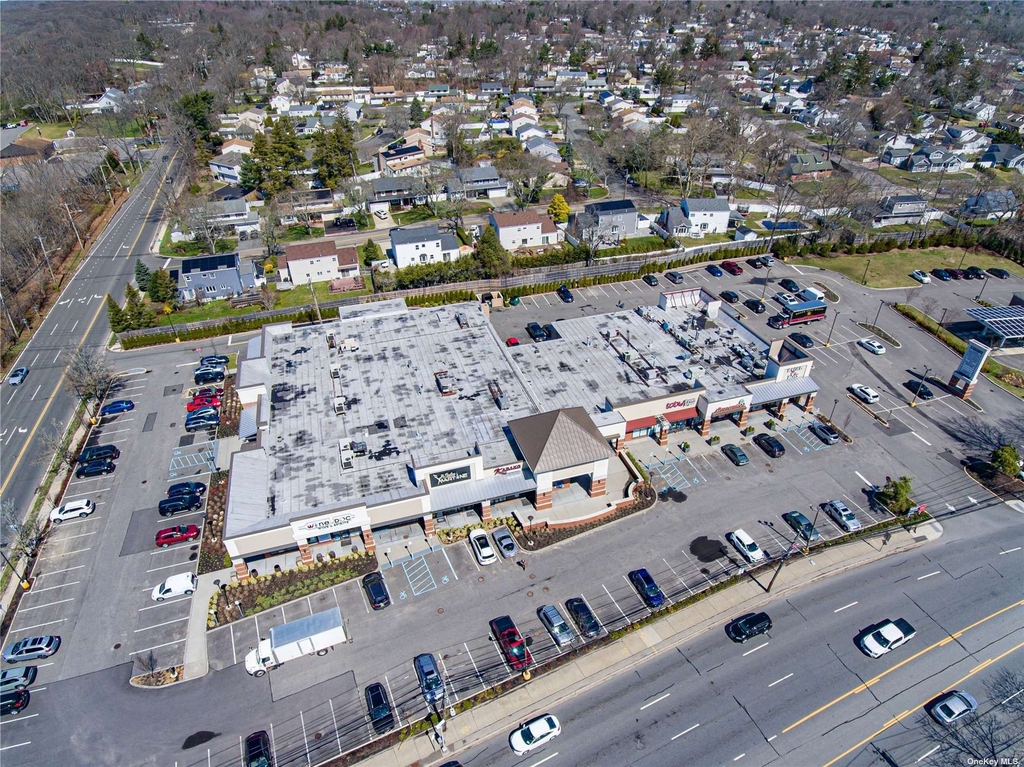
(707, 204)
(559, 439)
(427, 233)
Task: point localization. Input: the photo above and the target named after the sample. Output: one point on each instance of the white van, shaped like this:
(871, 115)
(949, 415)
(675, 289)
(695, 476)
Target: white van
(177, 585)
(812, 294)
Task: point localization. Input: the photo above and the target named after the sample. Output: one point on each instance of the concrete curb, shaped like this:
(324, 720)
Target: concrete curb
(587, 671)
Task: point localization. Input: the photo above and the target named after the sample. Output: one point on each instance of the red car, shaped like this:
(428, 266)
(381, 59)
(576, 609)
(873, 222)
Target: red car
(207, 391)
(732, 267)
(512, 342)
(505, 633)
(199, 402)
(177, 534)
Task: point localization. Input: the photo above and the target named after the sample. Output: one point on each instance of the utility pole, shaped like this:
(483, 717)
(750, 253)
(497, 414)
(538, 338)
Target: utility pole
(828, 342)
(46, 257)
(316, 304)
(74, 226)
(7, 312)
(106, 184)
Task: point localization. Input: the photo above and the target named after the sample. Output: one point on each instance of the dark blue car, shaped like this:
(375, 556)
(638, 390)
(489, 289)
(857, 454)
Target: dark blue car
(214, 359)
(117, 406)
(646, 587)
(715, 271)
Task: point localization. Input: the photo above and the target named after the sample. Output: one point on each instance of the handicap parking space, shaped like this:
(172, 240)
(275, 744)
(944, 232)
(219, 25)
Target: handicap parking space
(798, 436)
(194, 460)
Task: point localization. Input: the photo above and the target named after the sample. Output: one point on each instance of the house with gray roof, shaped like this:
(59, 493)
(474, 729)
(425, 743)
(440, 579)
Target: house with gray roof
(422, 245)
(207, 278)
(544, 148)
(1004, 155)
(615, 218)
(477, 182)
(227, 167)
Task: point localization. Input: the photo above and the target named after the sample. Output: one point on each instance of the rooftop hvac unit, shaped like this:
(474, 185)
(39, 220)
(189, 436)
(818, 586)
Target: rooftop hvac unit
(340, 404)
(335, 370)
(445, 383)
(649, 374)
(629, 355)
(460, 317)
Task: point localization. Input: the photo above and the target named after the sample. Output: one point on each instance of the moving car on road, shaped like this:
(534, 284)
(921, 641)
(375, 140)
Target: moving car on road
(17, 376)
(534, 734)
(117, 406)
(83, 507)
(952, 706)
(748, 626)
(886, 636)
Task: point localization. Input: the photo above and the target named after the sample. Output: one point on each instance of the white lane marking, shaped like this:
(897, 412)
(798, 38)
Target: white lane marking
(159, 625)
(929, 575)
(74, 326)
(844, 607)
(755, 649)
(688, 729)
(50, 588)
(656, 700)
(1007, 700)
(796, 269)
(39, 625)
(787, 676)
(91, 492)
(773, 737)
(1009, 551)
(166, 567)
(739, 757)
(36, 392)
(925, 756)
(921, 438)
(58, 355)
(606, 591)
(35, 358)
(449, 563)
(545, 759)
(165, 603)
(48, 604)
(65, 554)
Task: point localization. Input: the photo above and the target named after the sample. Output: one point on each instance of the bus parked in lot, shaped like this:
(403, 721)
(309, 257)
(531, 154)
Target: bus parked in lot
(798, 314)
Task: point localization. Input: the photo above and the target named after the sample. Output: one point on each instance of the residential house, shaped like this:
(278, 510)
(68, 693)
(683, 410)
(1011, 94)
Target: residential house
(695, 217)
(488, 91)
(301, 60)
(543, 86)
(233, 214)
(281, 102)
(399, 191)
(1011, 122)
(677, 103)
(616, 218)
(993, 205)
(788, 104)
(898, 158)
(352, 110)
(320, 261)
(808, 166)
(111, 102)
(297, 112)
(570, 78)
(1005, 155)
(422, 245)
(544, 148)
(966, 140)
(899, 209)
(227, 167)
(405, 160)
(816, 115)
(477, 182)
(592, 86)
(437, 91)
(933, 159)
(236, 145)
(250, 122)
(524, 229)
(888, 139)
(212, 277)
(529, 131)
(975, 110)
(522, 120)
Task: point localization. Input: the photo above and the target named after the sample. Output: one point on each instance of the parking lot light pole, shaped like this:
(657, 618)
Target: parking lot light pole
(832, 414)
(766, 278)
(984, 282)
(924, 379)
(828, 342)
(22, 581)
(881, 303)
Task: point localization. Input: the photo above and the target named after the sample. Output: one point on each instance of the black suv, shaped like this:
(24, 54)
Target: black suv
(257, 750)
(789, 285)
(94, 468)
(376, 590)
(582, 616)
(178, 504)
(770, 445)
(98, 452)
(536, 331)
(14, 702)
(975, 273)
(381, 716)
(186, 488)
(208, 377)
(748, 626)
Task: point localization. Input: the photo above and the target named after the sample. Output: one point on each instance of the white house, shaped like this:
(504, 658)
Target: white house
(227, 167)
(281, 103)
(530, 131)
(677, 103)
(976, 110)
(707, 215)
(318, 262)
(524, 229)
(422, 245)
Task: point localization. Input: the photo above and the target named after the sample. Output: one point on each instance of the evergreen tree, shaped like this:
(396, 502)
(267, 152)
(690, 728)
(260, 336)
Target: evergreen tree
(161, 288)
(334, 153)
(250, 174)
(142, 275)
(416, 113)
(115, 316)
(491, 256)
(371, 252)
(559, 209)
(284, 156)
(137, 314)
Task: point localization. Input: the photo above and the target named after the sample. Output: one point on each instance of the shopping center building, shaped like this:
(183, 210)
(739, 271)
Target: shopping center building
(392, 420)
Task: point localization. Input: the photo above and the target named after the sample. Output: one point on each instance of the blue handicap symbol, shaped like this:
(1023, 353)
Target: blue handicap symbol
(696, 480)
(401, 595)
(807, 449)
(444, 579)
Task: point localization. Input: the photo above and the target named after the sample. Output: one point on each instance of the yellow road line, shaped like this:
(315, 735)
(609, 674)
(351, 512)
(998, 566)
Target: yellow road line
(60, 383)
(865, 685)
(899, 717)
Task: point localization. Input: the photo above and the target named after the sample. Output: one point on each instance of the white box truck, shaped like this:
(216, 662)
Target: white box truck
(315, 634)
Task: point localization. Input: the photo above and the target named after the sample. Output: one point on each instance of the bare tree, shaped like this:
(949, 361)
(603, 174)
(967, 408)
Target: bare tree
(56, 447)
(396, 119)
(527, 175)
(269, 231)
(14, 535)
(838, 133)
(591, 235)
(88, 375)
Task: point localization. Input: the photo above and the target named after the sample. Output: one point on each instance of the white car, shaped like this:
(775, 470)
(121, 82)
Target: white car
(381, 214)
(745, 545)
(842, 515)
(534, 734)
(920, 276)
(865, 393)
(873, 346)
(178, 585)
(80, 508)
(786, 299)
(482, 547)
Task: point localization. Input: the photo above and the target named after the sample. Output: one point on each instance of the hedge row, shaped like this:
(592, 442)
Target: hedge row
(236, 325)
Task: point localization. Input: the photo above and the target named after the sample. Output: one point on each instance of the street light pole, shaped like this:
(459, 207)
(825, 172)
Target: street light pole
(924, 379)
(74, 226)
(766, 278)
(834, 403)
(828, 342)
(864, 279)
(881, 303)
(984, 282)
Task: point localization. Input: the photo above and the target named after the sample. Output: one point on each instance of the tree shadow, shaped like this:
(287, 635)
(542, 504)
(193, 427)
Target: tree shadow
(983, 436)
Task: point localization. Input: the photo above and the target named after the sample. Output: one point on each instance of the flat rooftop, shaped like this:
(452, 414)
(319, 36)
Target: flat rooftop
(387, 361)
(585, 363)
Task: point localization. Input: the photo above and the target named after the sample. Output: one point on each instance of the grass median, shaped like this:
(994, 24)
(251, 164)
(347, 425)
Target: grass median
(892, 269)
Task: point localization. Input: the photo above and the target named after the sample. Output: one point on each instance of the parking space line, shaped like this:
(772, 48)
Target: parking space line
(392, 696)
(606, 591)
(921, 438)
(58, 572)
(160, 625)
(76, 495)
(20, 718)
(65, 554)
(72, 537)
(678, 577)
(37, 626)
(165, 603)
(337, 734)
(48, 604)
(157, 647)
(19, 745)
(167, 567)
(454, 574)
(448, 679)
(483, 685)
(50, 588)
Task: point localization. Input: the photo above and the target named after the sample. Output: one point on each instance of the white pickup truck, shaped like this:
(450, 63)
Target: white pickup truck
(886, 636)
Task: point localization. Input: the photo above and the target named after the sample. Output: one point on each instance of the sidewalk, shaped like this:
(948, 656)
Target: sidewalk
(197, 661)
(545, 692)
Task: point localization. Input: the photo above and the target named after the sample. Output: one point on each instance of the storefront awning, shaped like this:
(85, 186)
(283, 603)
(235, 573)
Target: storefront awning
(681, 415)
(776, 391)
(641, 423)
(461, 494)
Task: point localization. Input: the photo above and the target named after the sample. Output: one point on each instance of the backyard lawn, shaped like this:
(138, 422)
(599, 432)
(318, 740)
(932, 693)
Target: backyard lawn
(413, 216)
(298, 233)
(892, 270)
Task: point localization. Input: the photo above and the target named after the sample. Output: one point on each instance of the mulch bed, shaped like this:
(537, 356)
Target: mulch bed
(1005, 487)
(538, 538)
(212, 552)
(159, 678)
